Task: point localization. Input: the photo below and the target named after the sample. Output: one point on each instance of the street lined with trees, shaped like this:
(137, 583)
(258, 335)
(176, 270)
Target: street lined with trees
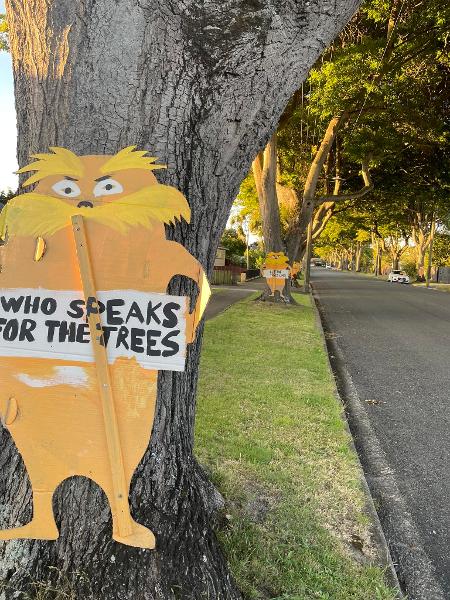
(331, 131)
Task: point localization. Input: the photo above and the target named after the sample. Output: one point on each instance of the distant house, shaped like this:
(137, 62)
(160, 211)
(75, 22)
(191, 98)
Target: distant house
(220, 257)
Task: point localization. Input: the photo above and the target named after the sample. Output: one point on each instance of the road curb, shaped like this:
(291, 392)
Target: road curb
(408, 568)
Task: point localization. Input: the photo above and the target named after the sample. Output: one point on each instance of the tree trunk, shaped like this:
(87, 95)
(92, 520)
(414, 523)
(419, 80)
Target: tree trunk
(430, 252)
(308, 255)
(422, 233)
(380, 261)
(420, 261)
(309, 192)
(358, 254)
(265, 174)
(375, 261)
(395, 262)
(201, 85)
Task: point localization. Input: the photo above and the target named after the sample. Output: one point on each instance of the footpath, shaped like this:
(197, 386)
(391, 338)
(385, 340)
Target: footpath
(224, 296)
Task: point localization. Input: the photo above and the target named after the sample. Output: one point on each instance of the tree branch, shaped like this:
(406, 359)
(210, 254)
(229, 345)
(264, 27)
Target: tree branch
(368, 187)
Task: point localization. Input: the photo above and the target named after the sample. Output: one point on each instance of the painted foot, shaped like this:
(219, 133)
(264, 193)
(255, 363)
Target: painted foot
(141, 537)
(32, 531)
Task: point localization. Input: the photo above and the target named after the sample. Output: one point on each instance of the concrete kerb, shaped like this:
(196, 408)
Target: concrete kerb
(408, 566)
(377, 530)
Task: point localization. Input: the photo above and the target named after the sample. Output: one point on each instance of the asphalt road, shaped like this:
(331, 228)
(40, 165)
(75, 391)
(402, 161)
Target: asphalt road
(395, 341)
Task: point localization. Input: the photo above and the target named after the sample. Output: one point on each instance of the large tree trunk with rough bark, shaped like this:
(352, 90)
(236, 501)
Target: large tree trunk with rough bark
(201, 85)
(265, 175)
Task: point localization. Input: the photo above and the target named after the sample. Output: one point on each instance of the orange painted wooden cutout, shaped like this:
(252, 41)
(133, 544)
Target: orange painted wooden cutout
(276, 270)
(295, 269)
(86, 323)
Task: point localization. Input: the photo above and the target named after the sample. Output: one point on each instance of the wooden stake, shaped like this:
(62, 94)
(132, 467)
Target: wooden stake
(120, 489)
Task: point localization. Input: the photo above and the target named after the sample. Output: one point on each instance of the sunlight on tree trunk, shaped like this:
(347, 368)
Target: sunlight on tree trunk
(265, 175)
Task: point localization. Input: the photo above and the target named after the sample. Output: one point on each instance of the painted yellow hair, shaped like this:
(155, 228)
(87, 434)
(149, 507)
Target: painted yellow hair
(129, 158)
(65, 162)
(276, 260)
(61, 162)
(40, 215)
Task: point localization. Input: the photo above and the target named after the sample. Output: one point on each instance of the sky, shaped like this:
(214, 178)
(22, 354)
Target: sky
(8, 133)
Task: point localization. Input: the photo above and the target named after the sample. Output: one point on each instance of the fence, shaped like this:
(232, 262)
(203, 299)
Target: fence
(224, 277)
(443, 275)
(252, 273)
(231, 274)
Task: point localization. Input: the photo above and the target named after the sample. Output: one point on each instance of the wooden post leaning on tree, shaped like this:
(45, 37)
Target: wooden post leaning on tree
(103, 376)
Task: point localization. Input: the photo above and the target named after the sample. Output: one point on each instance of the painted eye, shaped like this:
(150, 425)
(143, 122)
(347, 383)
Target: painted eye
(67, 188)
(107, 187)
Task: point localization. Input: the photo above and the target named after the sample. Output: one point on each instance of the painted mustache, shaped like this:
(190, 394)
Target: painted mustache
(150, 205)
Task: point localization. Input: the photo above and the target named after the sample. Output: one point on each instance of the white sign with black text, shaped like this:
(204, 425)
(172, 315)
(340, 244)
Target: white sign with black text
(40, 323)
(278, 273)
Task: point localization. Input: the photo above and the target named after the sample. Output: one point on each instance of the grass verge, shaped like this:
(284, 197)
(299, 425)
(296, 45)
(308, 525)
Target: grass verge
(442, 287)
(270, 431)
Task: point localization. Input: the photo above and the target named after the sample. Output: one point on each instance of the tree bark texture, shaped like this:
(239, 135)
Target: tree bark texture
(309, 192)
(265, 172)
(202, 85)
(265, 175)
(358, 254)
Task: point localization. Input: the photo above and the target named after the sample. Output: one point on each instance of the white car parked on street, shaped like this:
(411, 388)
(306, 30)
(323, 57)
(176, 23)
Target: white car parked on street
(396, 276)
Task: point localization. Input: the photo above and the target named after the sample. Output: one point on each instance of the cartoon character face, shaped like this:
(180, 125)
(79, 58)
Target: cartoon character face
(90, 181)
(118, 191)
(276, 260)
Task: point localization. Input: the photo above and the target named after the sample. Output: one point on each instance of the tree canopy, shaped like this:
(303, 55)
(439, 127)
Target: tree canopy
(385, 84)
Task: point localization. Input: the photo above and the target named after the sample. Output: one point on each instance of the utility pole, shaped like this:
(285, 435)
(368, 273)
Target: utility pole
(430, 252)
(247, 235)
(308, 254)
(246, 229)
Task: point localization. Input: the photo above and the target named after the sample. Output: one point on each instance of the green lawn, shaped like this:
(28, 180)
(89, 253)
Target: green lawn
(270, 432)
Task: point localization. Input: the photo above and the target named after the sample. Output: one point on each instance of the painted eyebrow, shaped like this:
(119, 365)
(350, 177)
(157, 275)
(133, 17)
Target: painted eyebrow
(70, 178)
(103, 178)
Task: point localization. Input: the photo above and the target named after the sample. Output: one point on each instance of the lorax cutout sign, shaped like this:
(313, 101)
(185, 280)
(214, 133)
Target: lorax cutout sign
(276, 270)
(86, 324)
